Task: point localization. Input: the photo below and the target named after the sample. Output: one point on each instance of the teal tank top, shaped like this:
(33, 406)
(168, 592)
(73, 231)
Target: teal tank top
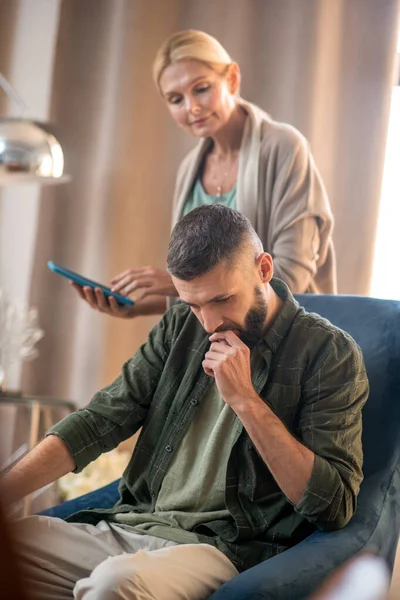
(199, 197)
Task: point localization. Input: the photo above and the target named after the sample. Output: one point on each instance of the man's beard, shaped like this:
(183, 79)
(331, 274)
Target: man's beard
(252, 331)
(254, 322)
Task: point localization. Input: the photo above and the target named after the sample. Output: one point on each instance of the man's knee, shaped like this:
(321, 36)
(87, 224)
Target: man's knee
(115, 578)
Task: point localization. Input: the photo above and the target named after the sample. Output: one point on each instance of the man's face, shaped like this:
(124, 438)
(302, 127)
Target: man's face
(228, 298)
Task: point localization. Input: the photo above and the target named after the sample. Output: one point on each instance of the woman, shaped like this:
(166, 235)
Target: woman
(245, 160)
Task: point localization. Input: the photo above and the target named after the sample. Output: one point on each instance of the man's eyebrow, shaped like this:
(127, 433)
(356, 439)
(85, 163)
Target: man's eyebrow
(214, 299)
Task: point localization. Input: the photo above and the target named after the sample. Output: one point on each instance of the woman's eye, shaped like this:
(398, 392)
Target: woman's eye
(175, 100)
(202, 89)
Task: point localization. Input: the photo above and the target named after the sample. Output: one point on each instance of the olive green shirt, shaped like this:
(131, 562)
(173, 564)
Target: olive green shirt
(193, 489)
(309, 372)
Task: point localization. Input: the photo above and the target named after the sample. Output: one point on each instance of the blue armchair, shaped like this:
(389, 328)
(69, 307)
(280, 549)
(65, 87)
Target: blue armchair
(294, 574)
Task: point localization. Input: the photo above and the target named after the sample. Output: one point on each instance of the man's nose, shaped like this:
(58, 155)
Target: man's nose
(211, 322)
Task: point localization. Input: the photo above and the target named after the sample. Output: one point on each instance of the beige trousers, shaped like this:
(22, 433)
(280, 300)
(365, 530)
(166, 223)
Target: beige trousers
(109, 562)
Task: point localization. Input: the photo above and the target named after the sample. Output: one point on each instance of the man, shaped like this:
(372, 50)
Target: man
(250, 411)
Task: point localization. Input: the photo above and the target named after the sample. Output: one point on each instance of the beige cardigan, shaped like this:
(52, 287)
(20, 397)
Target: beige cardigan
(280, 190)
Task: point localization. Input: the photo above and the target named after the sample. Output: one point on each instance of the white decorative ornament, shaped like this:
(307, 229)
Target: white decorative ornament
(19, 333)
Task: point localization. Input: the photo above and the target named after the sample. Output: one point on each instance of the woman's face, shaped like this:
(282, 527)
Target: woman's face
(199, 99)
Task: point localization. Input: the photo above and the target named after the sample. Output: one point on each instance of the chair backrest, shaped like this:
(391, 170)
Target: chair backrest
(375, 325)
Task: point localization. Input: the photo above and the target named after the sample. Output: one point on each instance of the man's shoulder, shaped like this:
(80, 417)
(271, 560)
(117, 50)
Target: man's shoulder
(179, 320)
(179, 312)
(314, 321)
(321, 342)
(319, 326)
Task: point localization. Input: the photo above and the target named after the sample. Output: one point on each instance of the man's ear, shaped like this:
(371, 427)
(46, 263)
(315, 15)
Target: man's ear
(265, 267)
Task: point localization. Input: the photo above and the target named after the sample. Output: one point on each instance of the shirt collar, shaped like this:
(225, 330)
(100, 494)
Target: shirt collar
(284, 320)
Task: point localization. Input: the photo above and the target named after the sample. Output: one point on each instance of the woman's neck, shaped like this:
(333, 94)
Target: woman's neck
(228, 140)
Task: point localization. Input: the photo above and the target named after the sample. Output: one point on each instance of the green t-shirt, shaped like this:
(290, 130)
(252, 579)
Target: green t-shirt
(193, 489)
(199, 197)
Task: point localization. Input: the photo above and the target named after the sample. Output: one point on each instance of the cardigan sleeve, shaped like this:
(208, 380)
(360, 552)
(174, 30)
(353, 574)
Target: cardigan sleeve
(301, 221)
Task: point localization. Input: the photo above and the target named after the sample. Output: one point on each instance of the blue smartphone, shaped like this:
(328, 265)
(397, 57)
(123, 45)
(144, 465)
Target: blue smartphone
(83, 281)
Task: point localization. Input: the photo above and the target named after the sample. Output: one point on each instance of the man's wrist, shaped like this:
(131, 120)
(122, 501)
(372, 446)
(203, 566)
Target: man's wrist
(247, 405)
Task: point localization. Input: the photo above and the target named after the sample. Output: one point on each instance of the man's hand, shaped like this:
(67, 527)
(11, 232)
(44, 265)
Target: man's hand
(228, 361)
(291, 463)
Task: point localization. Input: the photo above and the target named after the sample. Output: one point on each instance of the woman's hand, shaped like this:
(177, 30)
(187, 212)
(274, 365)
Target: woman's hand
(152, 305)
(109, 305)
(145, 281)
(148, 286)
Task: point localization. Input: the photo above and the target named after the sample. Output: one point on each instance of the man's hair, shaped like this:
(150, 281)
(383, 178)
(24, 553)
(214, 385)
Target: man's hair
(206, 236)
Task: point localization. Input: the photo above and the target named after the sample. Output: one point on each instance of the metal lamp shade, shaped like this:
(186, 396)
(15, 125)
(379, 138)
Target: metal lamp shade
(29, 153)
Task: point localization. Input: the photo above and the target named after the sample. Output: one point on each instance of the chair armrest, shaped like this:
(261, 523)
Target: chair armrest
(298, 571)
(104, 497)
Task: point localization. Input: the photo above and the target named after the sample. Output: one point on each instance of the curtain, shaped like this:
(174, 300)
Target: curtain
(8, 17)
(325, 67)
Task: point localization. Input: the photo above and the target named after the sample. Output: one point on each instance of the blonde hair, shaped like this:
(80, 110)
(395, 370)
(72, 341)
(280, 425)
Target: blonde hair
(190, 44)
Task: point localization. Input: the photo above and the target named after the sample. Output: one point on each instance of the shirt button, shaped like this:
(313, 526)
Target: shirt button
(152, 492)
(194, 402)
(168, 448)
(274, 346)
